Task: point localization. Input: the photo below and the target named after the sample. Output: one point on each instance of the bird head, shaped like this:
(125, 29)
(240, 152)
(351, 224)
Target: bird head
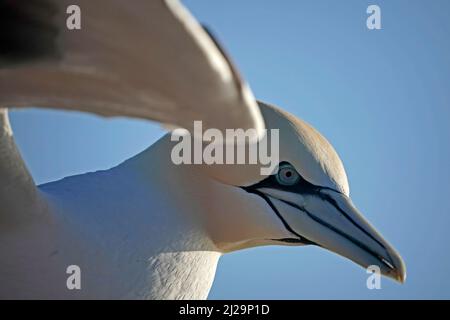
(304, 201)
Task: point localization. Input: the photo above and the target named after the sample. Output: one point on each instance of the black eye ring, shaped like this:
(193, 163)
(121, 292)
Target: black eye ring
(287, 175)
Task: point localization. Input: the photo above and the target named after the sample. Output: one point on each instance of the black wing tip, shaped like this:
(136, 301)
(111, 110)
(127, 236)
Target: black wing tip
(28, 31)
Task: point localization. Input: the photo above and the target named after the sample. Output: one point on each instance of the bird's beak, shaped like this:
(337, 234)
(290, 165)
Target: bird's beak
(330, 220)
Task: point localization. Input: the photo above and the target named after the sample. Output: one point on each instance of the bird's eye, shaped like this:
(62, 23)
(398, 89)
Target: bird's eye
(287, 176)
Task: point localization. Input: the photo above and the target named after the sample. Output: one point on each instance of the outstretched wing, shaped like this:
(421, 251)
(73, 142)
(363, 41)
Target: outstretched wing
(143, 58)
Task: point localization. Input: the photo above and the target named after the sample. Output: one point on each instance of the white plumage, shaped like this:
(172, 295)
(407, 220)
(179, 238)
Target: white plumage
(149, 229)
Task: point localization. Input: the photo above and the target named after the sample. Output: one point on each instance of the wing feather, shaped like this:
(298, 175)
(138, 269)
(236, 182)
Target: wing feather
(147, 59)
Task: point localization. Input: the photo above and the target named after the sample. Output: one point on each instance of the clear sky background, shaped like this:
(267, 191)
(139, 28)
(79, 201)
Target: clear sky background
(381, 97)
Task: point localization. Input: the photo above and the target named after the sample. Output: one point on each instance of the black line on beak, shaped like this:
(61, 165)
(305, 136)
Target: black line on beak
(334, 203)
(343, 234)
(301, 238)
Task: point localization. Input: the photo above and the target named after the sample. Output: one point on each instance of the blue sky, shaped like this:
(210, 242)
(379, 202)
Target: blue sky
(381, 97)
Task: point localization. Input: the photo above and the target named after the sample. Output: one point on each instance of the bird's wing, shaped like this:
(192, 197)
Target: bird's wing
(148, 59)
(144, 58)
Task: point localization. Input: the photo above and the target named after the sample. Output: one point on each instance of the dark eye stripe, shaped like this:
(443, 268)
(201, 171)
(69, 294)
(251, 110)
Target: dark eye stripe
(300, 186)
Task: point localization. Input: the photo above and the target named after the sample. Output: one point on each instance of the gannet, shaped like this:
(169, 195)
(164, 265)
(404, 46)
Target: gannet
(147, 228)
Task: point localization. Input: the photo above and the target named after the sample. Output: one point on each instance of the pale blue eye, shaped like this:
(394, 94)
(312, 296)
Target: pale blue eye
(287, 175)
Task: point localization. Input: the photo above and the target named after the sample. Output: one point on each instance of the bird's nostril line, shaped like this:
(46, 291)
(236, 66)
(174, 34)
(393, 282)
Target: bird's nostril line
(350, 238)
(336, 205)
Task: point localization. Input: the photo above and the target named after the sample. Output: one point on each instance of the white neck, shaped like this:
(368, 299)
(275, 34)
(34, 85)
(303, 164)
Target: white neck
(130, 229)
(181, 259)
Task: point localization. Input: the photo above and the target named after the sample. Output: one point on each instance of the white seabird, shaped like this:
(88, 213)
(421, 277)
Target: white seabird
(150, 229)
